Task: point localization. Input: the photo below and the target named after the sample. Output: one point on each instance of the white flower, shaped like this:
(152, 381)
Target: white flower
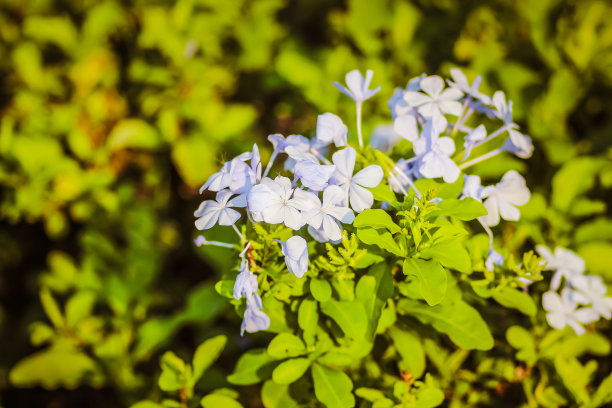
(435, 102)
(518, 144)
(472, 187)
(594, 290)
(295, 251)
(502, 110)
(314, 175)
(384, 137)
(272, 201)
(476, 135)
(493, 259)
(461, 83)
(502, 198)
(562, 310)
(406, 127)
(564, 262)
(246, 282)
(254, 318)
(330, 213)
(434, 152)
(209, 212)
(359, 197)
(358, 86)
(298, 148)
(331, 129)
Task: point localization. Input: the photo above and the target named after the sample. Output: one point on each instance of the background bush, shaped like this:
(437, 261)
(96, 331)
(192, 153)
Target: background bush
(114, 113)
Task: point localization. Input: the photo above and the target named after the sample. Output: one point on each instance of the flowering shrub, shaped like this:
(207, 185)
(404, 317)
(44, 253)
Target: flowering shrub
(376, 265)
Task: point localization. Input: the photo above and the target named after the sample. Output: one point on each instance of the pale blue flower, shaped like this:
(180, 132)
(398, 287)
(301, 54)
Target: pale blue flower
(384, 137)
(246, 282)
(503, 109)
(254, 317)
(461, 83)
(331, 129)
(562, 310)
(295, 251)
(434, 152)
(434, 101)
(476, 136)
(406, 127)
(313, 175)
(518, 144)
(502, 198)
(355, 186)
(219, 210)
(594, 291)
(358, 86)
(330, 213)
(493, 259)
(565, 263)
(472, 187)
(298, 148)
(272, 201)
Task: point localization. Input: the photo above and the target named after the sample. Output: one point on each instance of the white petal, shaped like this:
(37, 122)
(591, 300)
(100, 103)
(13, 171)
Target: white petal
(370, 177)
(446, 145)
(508, 211)
(552, 302)
(360, 198)
(432, 85)
(332, 196)
(416, 98)
(586, 315)
(492, 217)
(556, 320)
(450, 94)
(228, 216)
(331, 228)
(406, 127)
(292, 218)
(430, 110)
(207, 220)
(345, 161)
(451, 107)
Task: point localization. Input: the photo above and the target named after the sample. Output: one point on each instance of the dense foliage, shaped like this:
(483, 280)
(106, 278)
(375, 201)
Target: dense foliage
(113, 114)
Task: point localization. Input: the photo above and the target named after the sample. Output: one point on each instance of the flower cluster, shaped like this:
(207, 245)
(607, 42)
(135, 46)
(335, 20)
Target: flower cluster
(324, 181)
(579, 289)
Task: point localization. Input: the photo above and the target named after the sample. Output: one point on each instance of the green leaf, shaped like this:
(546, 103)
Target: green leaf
(51, 308)
(461, 322)
(515, 299)
(522, 340)
(219, 400)
(576, 377)
(320, 289)
(333, 388)
(253, 367)
(410, 350)
(379, 237)
(206, 354)
(308, 319)
(146, 404)
(466, 209)
(290, 371)
(431, 276)
(275, 395)
(349, 315)
(373, 290)
(376, 218)
(286, 345)
(383, 192)
(175, 373)
(133, 133)
(57, 366)
(603, 395)
(450, 254)
(573, 179)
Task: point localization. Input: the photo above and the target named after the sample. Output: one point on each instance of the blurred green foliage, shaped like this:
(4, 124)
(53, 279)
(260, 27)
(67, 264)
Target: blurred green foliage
(113, 113)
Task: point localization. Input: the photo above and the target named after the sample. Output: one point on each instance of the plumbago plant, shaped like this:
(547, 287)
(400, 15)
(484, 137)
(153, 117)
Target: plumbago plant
(376, 268)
